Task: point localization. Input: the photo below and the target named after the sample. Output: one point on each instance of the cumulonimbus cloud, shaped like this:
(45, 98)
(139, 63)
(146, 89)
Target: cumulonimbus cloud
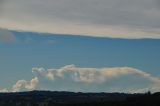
(99, 77)
(90, 75)
(72, 78)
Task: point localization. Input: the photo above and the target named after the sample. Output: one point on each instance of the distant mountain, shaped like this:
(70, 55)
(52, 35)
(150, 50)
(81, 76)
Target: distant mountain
(50, 98)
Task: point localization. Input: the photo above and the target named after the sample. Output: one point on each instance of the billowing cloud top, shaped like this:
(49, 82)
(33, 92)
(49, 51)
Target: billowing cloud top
(100, 18)
(72, 78)
(90, 75)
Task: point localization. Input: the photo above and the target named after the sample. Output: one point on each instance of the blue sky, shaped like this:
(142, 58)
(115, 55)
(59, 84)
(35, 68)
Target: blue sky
(49, 51)
(80, 45)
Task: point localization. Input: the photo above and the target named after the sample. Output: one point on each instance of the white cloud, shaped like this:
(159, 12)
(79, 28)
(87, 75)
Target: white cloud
(4, 90)
(29, 85)
(91, 74)
(100, 18)
(72, 78)
(41, 72)
(124, 79)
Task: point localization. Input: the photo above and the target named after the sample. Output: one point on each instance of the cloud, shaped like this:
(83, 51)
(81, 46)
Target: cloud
(78, 79)
(5, 35)
(118, 79)
(4, 90)
(98, 18)
(41, 72)
(52, 41)
(29, 85)
(90, 75)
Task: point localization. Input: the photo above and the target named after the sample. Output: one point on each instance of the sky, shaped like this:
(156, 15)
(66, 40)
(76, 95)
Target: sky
(80, 45)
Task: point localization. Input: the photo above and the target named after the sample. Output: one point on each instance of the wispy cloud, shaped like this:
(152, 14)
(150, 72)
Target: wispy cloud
(99, 18)
(6, 35)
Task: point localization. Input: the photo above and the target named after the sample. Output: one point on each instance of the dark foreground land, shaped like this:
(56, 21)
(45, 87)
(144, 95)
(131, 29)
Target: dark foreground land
(47, 98)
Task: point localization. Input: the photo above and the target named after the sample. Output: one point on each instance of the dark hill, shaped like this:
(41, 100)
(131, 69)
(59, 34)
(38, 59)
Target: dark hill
(48, 98)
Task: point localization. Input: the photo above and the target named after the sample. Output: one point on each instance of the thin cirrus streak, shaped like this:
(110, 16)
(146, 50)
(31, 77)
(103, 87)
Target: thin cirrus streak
(90, 79)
